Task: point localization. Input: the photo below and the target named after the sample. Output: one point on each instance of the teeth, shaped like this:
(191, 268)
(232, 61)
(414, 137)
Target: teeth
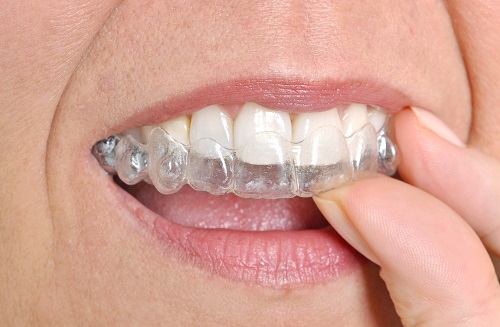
(136, 133)
(167, 161)
(252, 123)
(178, 128)
(265, 165)
(326, 128)
(254, 119)
(363, 149)
(145, 130)
(323, 161)
(355, 117)
(262, 155)
(213, 173)
(210, 160)
(131, 160)
(377, 118)
(212, 123)
(305, 124)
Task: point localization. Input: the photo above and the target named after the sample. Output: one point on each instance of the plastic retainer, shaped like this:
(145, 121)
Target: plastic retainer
(267, 166)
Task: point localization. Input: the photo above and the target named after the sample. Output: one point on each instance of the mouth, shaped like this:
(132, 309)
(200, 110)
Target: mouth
(229, 185)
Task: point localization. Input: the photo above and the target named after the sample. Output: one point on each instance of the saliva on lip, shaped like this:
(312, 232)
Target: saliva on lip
(266, 166)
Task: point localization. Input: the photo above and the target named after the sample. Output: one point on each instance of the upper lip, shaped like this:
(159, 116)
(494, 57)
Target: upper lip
(278, 94)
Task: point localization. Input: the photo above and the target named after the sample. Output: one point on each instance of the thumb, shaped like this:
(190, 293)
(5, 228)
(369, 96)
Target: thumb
(466, 179)
(435, 267)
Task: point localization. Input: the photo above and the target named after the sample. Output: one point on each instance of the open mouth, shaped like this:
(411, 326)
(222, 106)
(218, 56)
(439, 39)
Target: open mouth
(231, 184)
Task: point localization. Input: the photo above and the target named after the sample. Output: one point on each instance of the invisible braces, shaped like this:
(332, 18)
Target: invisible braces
(169, 164)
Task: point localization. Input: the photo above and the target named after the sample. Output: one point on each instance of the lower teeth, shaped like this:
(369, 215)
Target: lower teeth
(207, 166)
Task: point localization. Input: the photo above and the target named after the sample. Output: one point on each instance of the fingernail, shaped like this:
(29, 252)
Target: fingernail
(337, 217)
(434, 124)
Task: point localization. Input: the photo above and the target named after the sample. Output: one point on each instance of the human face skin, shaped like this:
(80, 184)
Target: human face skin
(79, 250)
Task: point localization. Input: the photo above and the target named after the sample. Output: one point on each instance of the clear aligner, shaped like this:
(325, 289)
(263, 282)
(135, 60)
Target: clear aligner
(267, 166)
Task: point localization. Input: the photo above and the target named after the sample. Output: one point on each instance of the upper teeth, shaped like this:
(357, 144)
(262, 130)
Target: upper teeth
(356, 116)
(262, 153)
(213, 122)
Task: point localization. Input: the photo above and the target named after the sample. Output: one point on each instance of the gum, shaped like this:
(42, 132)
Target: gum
(282, 170)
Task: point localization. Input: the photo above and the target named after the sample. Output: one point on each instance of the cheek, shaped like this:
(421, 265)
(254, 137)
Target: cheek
(476, 24)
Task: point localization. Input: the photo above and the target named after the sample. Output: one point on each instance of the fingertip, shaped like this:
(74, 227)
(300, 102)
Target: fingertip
(463, 178)
(331, 206)
(432, 123)
(424, 153)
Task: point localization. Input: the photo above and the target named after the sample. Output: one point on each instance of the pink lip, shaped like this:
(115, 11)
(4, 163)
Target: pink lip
(274, 258)
(279, 94)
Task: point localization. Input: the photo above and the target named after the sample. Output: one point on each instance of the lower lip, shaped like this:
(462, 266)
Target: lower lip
(274, 258)
(277, 259)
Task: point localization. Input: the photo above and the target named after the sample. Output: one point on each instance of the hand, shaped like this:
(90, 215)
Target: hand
(430, 236)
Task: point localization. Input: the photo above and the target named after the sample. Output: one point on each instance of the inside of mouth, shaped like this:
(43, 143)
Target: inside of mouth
(203, 210)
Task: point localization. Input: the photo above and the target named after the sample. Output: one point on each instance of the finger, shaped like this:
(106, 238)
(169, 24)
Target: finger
(435, 267)
(465, 179)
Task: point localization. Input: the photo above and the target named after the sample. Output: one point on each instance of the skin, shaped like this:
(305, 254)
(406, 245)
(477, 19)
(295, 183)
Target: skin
(74, 72)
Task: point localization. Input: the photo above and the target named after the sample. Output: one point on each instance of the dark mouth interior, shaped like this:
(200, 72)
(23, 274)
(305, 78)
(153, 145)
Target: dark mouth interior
(202, 210)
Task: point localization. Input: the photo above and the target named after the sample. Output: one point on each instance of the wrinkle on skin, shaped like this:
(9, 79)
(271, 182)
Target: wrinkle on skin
(476, 26)
(40, 50)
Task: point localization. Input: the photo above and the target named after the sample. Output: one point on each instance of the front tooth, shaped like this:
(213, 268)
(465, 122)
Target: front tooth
(262, 136)
(213, 123)
(254, 119)
(305, 124)
(318, 133)
(178, 128)
(355, 117)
